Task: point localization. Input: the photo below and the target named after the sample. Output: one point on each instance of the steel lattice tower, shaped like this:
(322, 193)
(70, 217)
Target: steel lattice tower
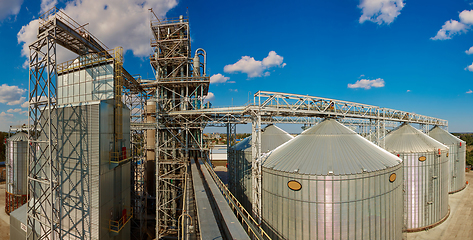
(181, 84)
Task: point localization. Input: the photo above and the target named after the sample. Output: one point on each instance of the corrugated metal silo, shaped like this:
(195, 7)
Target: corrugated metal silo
(425, 176)
(457, 157)
(16, 165)
(331, 183)
(240, 160)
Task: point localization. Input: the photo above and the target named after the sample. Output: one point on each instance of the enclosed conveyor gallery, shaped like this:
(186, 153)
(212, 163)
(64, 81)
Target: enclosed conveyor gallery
(331, 183)
(426, 170)
(457, 157)
(240, 162)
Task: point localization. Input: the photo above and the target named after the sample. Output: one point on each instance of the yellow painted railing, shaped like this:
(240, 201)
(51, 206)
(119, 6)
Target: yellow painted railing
(117, 226)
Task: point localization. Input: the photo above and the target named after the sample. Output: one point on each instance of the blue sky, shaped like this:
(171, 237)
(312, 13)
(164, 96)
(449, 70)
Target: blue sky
(406, 55)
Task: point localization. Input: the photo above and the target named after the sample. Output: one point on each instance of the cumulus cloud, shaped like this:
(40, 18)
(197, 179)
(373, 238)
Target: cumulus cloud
(218, 78)
(466, 17)
(27, 35)
(453, 27)
(469, 91)
(116, 23)
(14, 110)
(47, 4)
(380, 11)
(470, 68)
(408, 90)
(11, 95)
(469, 51)
(9, 7)
(25, 104)
(210, 96)
(367, 84)
(254, 68)
(449, 29)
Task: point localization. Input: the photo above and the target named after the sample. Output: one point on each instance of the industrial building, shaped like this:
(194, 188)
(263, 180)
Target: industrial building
(115, 156)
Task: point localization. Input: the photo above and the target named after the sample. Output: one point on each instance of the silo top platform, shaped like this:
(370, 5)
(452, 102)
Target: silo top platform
(329, 148)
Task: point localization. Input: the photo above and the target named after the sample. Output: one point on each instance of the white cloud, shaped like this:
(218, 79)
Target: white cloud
(380, 11)
(9, 7)
(469, 91)
(210, 96)
(469, 51)
(218, 78)
(47, 4)
(116, 23)
(16, 102)
(14, 110)
(11, 95)
(254, 68)
(367, 84)
(25, 104)
(408, 90)
(273, 59)
(470, 68)
(27, 35)
(3, 114)
(466, 17)
(233, 90)
(449, 29)
(453, 27)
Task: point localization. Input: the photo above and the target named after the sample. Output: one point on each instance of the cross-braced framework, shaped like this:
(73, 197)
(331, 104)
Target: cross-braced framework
(180, 84)
(370, 121)
(43, 171)
(59, 190)
(136, 101)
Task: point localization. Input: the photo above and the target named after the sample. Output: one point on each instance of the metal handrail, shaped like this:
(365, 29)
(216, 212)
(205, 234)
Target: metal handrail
(117, 226)
(232, 201)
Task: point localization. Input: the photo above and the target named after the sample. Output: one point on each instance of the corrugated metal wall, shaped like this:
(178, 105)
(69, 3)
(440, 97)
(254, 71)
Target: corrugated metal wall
(90, 84)
(361, 206)
(93, 190)
(16, 161)
(425, 188)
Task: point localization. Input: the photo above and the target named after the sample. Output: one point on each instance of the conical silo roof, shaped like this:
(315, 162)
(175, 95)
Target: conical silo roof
(21, 136)
(408, 139)
(443, 136)
(271, 138)
(243, 144)
(329, 148)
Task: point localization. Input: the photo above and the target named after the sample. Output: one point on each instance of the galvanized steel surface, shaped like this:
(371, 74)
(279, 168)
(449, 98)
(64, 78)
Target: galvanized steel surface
(16, 164)
(329, 148)
(339, 205)
(93, 190)
(425, 176)
(408, 139)
(457, 157)
(240, 159)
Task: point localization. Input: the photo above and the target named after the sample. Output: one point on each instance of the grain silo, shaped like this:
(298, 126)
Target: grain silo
(16, 167)
(425, 176)
(331, 183)
(240, 161)
(457, 157)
